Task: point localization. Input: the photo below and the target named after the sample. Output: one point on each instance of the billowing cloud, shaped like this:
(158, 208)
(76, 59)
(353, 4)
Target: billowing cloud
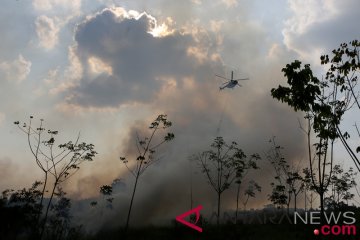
(126, 56)
(54, 15)
(16, 70)
(47, 30)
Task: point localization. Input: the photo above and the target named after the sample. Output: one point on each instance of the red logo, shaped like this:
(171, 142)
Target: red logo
(181, 219)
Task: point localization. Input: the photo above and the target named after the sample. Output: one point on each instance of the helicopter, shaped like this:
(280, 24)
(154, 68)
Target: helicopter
(231, 83)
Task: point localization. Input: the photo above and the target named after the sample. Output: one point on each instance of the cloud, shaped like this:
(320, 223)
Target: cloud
(50, 5)
(57, 81)
(16, 71)
(197, 2)
(52, 17)
(47, 30)
(317, 27)
(131, 54)
(230, 3)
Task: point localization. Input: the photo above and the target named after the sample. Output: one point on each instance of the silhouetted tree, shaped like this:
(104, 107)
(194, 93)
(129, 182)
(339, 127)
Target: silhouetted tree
(19, 210)
(220, 165)
(250, 191)
(106, 191)
(289, 183)
(325, 103)
(296, 185)
(107, 194)
(242, 170)
(342, 80)
(340, 185)
(60, 218)
(146, 154)
(309, 187)
(278, 195)
(59, 162)
(307, 93)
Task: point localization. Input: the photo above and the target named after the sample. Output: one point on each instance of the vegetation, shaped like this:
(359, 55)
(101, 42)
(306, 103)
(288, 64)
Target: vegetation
(58, 163)
(324, 103)
(43, 211)
(288, 181)
(146, 157)
(224, 164)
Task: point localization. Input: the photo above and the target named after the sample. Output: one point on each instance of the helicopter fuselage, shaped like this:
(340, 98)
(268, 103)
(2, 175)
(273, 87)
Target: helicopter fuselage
(230, 84)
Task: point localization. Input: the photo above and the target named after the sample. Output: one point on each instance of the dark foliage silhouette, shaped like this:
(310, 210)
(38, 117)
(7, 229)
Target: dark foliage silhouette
(223, 165)
(58, 163)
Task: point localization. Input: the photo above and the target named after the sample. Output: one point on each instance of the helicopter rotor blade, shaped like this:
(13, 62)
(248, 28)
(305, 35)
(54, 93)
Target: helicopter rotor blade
(239, 85)
(225, 83)
(241, 79)
(222, 77)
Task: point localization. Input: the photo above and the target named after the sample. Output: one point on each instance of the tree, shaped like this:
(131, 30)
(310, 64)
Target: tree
(309, 187)
(107, 198)
(146, 154)
(250, 191)
(323, 113)
(60, 219)
(278, 195)
(242, 170)
(296, 185)
(340, 185)
(19, 210)
(220, 165)
(106, 191)
(289, 183)
(59, 162)
(324, 103)
(343, 75)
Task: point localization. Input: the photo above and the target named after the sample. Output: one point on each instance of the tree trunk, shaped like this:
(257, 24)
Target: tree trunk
(305, 199)
(41, 201)
(47, 209)
(321, 195)
(218, 215)
(288, 204)
(43, 190)
(131, 203)
(237, 203)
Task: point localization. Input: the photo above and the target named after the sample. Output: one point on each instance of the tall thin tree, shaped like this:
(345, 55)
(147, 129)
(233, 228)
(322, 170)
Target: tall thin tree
(146, 154)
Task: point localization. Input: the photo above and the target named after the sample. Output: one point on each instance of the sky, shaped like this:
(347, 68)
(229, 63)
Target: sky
(107, 68)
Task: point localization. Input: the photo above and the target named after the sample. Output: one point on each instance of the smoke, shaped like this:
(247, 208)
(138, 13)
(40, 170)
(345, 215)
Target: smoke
(16, 174)
(170, 75)
(125, 67)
